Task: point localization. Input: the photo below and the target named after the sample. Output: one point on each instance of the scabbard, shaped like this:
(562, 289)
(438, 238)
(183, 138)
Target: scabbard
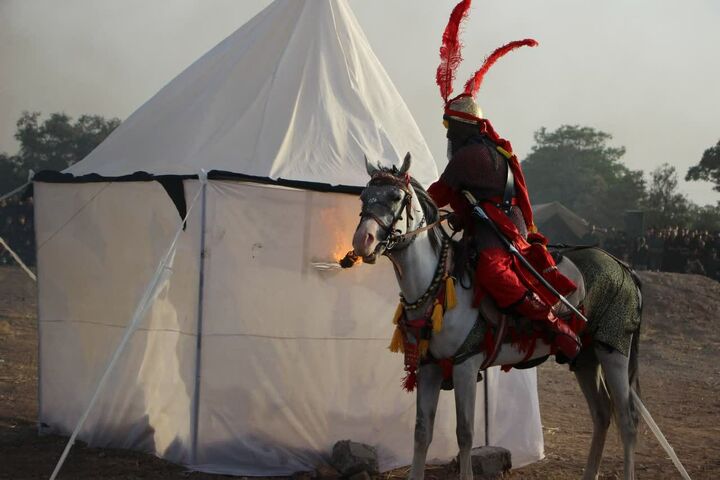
(478, 211)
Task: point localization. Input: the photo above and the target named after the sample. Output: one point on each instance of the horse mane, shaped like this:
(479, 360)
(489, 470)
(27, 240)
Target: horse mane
(430, 210)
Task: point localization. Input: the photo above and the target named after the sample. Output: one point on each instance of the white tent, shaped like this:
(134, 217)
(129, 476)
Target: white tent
(250, 361)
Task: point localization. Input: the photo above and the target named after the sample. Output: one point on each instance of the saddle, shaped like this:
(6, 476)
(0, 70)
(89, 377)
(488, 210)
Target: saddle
(493, 327)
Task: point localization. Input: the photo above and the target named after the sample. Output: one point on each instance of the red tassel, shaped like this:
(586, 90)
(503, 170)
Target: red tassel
(450, 56)
(473, 85)
(410, 381)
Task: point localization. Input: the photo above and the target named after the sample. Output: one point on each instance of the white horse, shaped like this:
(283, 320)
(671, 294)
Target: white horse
(396, 221)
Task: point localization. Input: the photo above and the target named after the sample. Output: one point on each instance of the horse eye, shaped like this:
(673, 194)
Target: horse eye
(395, 197)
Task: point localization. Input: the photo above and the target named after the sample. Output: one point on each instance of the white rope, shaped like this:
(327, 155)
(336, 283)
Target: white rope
(18, 260)
(19, 189)
(15, 192)
(158, 278)
(661, 438)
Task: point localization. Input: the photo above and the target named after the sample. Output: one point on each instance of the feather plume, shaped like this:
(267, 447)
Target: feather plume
(473, 85)
(450, 56)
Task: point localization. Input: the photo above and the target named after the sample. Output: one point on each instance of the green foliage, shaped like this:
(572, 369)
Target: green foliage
(704, 218)
(57, 143)
(708, 168)
(664, 205)
(10, 176)
(52, 144)
(575, 166)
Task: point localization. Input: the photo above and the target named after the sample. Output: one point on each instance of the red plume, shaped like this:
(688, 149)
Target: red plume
(450, 56)
(473, 85)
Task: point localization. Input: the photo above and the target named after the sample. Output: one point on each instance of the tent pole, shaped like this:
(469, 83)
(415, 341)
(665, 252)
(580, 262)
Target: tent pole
(487, 409)
(162, 272)
(198, 344)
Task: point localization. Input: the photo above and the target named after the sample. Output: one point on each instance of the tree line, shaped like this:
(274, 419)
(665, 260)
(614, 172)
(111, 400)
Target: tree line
(577, 167)
(573, 164)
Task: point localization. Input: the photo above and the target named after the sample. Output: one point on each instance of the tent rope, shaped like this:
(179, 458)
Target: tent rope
(17, 258)
(162, 271)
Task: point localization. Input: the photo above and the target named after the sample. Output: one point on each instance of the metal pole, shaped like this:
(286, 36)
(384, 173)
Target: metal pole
(487, 409)
(198, 343)
(161, 273)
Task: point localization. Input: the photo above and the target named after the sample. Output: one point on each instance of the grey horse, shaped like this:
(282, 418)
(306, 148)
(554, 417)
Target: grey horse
(395, 222)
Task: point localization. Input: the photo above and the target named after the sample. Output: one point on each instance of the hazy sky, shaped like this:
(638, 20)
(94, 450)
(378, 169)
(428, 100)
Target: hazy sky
(646, 71)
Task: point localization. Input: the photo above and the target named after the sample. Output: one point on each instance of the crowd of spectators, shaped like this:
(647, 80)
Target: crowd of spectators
(16, 228)
(669, 249)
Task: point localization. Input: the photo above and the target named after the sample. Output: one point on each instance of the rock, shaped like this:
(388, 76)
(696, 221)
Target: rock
(5, 328)
(304, 475)
(364, 475)
(350, 458)
(326, 472)
(490, 461)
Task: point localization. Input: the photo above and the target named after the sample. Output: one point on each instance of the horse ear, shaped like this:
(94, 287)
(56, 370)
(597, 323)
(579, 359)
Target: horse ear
(371, 169)
(406, 164)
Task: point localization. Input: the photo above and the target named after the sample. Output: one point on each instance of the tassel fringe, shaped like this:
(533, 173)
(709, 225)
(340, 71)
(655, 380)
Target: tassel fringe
(450, 297)
(396, 344)
(437, 317)
(398, 314)
(424, 345)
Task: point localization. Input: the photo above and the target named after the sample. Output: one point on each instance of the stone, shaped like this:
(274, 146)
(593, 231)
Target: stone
(350, 458)
(326, 472)
(490, 461)
(364, 475)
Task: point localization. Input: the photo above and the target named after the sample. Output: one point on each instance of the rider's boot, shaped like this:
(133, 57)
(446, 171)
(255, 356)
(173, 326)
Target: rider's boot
(534, 308)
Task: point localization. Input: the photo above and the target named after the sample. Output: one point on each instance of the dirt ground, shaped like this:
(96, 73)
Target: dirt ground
(680, 378)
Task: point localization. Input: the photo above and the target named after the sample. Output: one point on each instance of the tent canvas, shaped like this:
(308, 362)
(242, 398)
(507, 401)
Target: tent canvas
(560, 223)
(250, 361)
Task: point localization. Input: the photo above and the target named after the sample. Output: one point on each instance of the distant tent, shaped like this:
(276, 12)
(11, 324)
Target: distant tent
(559, 223)
(250, 361)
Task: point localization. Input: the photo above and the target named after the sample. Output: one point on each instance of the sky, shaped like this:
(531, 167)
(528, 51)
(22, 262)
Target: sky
(645, 71)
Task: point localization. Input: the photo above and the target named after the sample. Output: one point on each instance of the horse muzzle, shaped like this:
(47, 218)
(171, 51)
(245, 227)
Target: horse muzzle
(366, 240)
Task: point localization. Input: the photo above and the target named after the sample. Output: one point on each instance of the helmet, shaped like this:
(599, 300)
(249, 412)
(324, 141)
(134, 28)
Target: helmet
(463, 109)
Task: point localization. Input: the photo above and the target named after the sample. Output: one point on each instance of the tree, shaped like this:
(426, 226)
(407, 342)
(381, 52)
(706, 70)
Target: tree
(575, 166)
(57, 143)
(10, 177)
(664, 204)
(708, 168)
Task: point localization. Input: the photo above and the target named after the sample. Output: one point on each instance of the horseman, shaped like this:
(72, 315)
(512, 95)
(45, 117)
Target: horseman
(483, 164)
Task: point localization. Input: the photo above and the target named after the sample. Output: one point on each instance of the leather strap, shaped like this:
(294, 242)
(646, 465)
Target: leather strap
(490, 357)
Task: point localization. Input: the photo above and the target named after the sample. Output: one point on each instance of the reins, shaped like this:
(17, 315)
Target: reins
(393, 240)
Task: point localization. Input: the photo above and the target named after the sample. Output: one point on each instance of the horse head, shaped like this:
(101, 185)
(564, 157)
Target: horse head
(387, 210)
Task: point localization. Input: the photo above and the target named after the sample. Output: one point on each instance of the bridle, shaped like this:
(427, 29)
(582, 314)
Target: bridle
(395, 241)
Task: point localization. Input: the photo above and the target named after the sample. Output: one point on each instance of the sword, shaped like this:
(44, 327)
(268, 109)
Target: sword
(478, 211)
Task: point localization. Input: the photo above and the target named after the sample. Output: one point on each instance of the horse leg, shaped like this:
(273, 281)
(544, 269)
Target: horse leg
(589, 378)
(428, 391)
(615, 370)
(465, 383)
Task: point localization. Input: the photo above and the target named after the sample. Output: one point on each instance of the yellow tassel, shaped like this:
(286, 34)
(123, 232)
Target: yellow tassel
(396, 344)
(437, 317)
(450, 298)
(398, 314)
(424, 345)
